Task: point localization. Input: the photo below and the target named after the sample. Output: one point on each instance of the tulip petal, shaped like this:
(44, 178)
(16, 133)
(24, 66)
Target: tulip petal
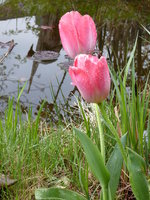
(84, 61)
(81, 79)
(104, 77)
(68, 33)
(79, 61)
(87, 34)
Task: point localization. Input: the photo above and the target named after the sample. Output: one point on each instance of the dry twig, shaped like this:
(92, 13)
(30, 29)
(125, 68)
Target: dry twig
(12, 44)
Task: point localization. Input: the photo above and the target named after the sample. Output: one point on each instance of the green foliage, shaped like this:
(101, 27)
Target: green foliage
(94, 158)
(113, 10)
(35, 155)
(86, 121)
(129, 63)
(132, 107)
(57, 193)
(114, 166)
(131, 120)
(33, 152)
(137, 174)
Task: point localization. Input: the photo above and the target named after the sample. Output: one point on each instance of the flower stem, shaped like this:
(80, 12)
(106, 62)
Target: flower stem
(105, 193)
(113, 130)
(101, 134)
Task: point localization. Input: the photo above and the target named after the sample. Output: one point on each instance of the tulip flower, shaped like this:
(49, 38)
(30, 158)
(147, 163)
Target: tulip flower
(78, 33)
(91, 76)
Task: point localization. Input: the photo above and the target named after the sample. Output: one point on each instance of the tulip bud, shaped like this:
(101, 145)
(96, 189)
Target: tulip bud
(91, 76)
(78, 33)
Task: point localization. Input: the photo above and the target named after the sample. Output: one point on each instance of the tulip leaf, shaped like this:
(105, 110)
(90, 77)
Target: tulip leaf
(94, 158)
(136, 167)
(114, 166)
(57, 193)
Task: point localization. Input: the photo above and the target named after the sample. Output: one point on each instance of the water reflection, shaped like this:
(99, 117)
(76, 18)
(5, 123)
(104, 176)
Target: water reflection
(117, 43)
(48, 39)
(115, 40)
(18, 68)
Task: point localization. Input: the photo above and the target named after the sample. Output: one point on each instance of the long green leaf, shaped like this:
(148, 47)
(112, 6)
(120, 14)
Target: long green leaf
(129, 63)
(20, 93)
(114, 166)
(94, 158)
(57, 194)
(136, 167)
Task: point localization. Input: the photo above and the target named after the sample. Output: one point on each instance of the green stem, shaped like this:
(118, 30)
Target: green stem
(101, 134)
(114, 132)
(105, 193)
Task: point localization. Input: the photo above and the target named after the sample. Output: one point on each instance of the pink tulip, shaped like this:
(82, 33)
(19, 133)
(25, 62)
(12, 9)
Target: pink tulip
(91, 76)
(78, 33)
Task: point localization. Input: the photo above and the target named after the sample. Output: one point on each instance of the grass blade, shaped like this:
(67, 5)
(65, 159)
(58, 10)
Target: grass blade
(20, 93)
(129, 63)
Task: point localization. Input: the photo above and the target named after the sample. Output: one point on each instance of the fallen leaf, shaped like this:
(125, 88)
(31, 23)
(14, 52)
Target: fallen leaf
(40, 56)
(45, 55)
(5, 181)
(5, 44)
(65, 65)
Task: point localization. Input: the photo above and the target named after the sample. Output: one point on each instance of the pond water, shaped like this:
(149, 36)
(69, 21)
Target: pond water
(22, 22)
(17, 68)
